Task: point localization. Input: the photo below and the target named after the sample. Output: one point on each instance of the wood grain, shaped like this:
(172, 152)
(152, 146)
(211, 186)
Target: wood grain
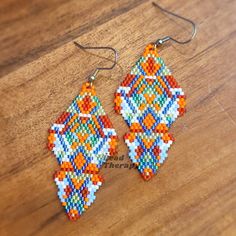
(194, 193)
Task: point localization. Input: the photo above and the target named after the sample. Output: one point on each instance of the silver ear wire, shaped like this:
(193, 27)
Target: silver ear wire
(167, 38)
(93, 76)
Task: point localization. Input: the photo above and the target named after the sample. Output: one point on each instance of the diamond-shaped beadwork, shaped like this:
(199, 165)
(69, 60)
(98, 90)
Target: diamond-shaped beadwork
(81, 139)
(150, 100)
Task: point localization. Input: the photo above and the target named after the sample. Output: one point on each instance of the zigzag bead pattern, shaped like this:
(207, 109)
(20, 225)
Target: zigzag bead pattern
(81, 139)
(150, 100)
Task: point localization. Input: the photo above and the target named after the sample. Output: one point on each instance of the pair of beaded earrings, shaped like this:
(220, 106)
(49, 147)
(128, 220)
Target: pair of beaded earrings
(82, 138)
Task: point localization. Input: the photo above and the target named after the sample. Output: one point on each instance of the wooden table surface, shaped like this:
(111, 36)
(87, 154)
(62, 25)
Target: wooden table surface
(194, 192)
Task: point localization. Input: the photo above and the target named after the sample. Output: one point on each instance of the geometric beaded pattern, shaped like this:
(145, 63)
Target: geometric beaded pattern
(82, 138)
(150, 100)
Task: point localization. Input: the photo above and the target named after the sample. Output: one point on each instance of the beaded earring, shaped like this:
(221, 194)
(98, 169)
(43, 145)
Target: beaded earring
(150, 100)
(81, 139)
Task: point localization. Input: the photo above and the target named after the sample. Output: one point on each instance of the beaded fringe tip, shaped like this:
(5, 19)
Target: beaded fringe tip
(81, 139)
(150, 100)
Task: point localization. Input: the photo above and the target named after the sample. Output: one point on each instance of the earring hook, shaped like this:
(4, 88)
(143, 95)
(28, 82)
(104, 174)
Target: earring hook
(94, 74)
(167, 38)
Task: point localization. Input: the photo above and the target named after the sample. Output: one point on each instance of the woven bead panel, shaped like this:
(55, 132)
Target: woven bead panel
(82, 138)
(150, 100)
